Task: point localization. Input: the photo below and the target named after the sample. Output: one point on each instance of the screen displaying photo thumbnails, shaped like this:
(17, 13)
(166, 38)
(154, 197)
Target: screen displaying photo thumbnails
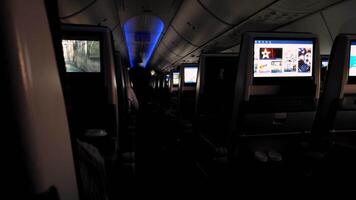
(283, 58)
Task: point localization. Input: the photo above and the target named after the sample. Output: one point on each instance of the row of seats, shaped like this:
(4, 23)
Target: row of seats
(268, 98)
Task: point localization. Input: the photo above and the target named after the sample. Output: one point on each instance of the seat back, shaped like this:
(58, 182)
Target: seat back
(324, 59)
(277, 85)
(174, 81)
(337, 108)
(214, 95)
(187, 86)
(90, 82)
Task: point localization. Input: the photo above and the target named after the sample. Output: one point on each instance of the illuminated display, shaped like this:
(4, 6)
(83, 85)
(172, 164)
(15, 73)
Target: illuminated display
(324, 63)
(190, 74)
(175, 78)
(81, 55)
(283, 58)
(352, 71)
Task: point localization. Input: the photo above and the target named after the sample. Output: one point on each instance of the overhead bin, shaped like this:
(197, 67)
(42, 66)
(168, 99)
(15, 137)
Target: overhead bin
(341, 18)
(275, 16)
(88, 12)
(195, 24)
(234, 11)
(68, 7)
(163, 9)
(163, 51)
(176, 43)
(295, 6)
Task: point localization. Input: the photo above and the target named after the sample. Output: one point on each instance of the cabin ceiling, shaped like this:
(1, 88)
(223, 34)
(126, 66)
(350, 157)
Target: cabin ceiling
(191, 26)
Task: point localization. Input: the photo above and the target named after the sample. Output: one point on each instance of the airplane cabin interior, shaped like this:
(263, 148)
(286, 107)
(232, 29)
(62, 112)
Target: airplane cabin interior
(106, 98)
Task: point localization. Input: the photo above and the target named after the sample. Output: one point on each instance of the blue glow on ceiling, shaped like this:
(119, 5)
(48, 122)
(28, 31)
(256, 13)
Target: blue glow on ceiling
(142, 34)
(128, 38)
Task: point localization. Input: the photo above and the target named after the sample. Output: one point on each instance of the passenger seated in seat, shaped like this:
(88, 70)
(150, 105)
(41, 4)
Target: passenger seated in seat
(92, 172)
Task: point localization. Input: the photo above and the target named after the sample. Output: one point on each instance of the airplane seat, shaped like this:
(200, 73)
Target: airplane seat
(87, 97)
(89, 76)
(174, 83)
(92, 171)
(89, 109)
(214, 98)
(187, 87)
(337, 107)
(323, 71)
(276, 93)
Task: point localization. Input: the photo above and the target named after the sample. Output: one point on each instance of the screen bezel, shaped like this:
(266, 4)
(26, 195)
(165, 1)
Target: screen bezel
(281, 80)
(86, 36)
(196, 78)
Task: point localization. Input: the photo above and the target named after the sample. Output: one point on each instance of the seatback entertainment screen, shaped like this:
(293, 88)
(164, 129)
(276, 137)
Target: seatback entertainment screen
(81, 55)
(324, 62)
(283, 58)
(175, 78)
(190, 74)
(352, 70)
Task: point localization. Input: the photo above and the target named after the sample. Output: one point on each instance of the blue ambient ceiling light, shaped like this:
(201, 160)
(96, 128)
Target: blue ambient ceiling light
(142, 34)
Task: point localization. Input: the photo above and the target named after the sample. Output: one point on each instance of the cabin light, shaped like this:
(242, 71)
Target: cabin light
(156, 34)
(129, 43)
(141, 44)
(153, 73)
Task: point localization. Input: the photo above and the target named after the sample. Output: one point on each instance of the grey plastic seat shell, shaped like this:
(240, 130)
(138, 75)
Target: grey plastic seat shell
(214, 93)
(295, 119)
(337, 109)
